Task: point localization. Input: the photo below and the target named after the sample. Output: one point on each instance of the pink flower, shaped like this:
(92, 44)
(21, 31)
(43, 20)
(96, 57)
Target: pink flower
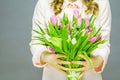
(51, 49)
(100, 37)
(59, 21)
(76, 13)
(88, 30)
(92, 39)
(53, 19)
(87, 21)
(79, 21)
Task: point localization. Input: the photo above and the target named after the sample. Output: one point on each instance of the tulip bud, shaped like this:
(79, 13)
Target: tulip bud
(73, 41)
(100, 37)
(59, 21)
(53, 19)
(79, 21)
(88, 30)
(92, 39)
(87, 21)
(51, 49)
(76, 13)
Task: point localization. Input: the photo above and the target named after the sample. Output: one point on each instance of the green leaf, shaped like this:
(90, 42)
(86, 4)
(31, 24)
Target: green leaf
(64, 32)
(78, 35)
(77, 45)
(87, 46)
(56, 41)
(47, 30)
(91, 18)
(90, 61)
(65, 19)
(57, 28)
(92, 21)
(43, 39)
(83, 25)
(37, 32)
(70, 45)
(70, 48)
(64, 46)
(52, 30)
(98, 31)
(84, 42)
(74, 20)
(41, 30)
(95, 45)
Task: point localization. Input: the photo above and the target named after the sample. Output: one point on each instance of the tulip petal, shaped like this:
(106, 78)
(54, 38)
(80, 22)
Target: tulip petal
(92, 39)
(53, 19)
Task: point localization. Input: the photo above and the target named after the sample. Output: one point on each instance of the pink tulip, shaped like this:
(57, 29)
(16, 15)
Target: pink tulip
(59, 21)
(51, 49)
(92, 39)
(88, 30)
(76, 13)
(53, 19)
(79, 21)
(100, 37)
(87, 21)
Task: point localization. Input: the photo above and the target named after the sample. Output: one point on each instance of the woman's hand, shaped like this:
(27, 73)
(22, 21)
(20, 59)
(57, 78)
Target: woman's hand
(54, 60)
(86, 66)
(97, 61)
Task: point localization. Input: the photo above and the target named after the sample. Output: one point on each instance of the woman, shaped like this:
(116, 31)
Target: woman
(41, 55)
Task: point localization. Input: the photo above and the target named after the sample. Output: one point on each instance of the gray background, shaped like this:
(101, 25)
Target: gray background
(15, 33)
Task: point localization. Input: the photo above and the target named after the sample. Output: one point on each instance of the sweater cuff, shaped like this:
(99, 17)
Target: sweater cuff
(103, 50)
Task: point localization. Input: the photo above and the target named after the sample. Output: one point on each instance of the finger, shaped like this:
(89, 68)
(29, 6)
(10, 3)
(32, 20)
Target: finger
(82, 56)
(61, 56)
(63, 68)
(79, 62)
(73, 69)
(78, 69)
(62, 71)
(63, 62)
(81, 75)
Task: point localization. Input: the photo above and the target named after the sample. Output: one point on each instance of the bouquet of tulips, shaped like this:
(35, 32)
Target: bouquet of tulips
(71, 37)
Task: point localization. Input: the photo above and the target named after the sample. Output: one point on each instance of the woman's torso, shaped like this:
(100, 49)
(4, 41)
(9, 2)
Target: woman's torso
(50, 73)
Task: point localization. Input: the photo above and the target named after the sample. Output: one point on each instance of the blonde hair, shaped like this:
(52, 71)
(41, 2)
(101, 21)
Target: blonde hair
(92, 7)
